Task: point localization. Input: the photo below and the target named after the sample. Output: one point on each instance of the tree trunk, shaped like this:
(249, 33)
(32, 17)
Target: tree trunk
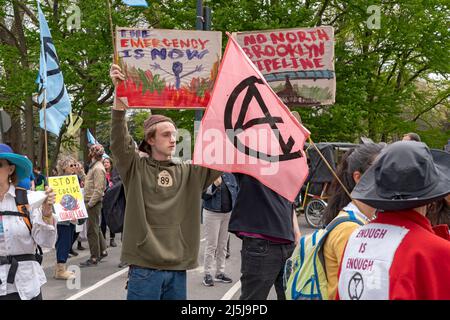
(90, 110)
(14, 136)
(54, 157)
(83, 145)
(29, 131)
(29, 123)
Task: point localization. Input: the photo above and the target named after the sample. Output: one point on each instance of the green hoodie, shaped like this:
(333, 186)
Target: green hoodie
(163, 205)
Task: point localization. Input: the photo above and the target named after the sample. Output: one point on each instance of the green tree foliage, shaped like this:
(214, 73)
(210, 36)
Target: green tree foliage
(386, 74)
(391, 79)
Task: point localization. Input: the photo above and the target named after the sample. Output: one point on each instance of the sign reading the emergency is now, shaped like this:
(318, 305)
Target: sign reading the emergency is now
(69, 204)
(174, 69)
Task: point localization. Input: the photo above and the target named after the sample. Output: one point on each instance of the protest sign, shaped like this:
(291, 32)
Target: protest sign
(167, 68)
(69, 204)
(297, 63)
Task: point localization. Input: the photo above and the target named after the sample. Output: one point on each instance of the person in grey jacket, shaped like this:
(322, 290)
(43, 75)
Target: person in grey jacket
(94, 188)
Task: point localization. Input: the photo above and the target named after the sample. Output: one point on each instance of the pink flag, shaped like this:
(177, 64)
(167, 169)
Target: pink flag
(248, 129)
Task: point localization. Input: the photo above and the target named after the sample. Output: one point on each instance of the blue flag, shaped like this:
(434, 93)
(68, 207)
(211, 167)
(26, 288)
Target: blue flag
(92, 140)
(51, 79)
(90, 137)
(136, 3)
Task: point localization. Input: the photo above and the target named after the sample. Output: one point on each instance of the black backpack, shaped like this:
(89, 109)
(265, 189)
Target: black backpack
(114, 207)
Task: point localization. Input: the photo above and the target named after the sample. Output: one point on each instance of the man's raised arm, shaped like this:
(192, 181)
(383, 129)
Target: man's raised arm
(122, 145)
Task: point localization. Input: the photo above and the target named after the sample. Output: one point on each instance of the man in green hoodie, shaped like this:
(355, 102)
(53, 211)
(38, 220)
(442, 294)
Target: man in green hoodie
(161, 235)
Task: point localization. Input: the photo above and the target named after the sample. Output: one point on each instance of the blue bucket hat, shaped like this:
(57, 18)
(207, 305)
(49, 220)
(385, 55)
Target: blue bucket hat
(23, 165)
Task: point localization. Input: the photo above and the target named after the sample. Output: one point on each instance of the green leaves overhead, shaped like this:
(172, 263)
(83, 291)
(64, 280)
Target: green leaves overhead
(390, 79)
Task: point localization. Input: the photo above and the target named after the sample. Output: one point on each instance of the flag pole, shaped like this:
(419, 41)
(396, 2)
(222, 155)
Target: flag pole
(334, 174)
(44, 107)
(329, 167)
(116, 58)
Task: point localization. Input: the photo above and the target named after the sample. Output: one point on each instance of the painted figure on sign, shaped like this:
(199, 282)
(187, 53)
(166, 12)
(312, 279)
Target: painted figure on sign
(177, 69)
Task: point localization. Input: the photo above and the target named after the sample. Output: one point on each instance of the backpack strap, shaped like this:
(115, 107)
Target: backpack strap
(11, 213)
(337, 221)
(23, 211)
(23, 207)
(13, 261)
(333, 224)
(21, 196)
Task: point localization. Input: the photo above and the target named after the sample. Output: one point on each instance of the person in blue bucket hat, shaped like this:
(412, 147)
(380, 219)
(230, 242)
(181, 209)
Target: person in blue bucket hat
(23, 165)
(23, 229)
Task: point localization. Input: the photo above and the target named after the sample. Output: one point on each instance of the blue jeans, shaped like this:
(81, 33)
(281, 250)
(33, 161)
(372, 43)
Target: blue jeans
(64, 241)
(152, 284)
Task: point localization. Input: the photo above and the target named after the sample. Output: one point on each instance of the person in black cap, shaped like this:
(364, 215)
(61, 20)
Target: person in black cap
(398, 255)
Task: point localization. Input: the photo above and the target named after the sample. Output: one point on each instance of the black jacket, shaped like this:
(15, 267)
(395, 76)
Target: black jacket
(261, 210)
(213, 200)
(114, 207)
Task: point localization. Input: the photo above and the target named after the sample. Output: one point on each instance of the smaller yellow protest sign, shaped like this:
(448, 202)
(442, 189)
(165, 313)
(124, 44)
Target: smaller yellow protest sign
(69, 204)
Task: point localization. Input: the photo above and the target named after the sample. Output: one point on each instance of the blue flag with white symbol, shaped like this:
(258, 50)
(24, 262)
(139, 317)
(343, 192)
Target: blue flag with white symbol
(136, 3)
(92, 140)
(90, 137)
(51, 80)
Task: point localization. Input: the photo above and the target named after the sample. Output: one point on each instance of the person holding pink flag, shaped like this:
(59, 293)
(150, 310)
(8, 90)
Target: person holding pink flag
(267, 224)
(255, 135)
(250, 129)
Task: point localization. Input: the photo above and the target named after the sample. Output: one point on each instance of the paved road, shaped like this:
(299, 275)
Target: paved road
(107, 281)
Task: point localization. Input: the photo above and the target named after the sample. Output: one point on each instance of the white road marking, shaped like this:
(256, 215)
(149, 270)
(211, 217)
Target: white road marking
(98, 284)
(230, 293)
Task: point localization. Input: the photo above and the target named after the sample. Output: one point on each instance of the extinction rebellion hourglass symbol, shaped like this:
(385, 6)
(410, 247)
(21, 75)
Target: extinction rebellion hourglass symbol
(355, 286)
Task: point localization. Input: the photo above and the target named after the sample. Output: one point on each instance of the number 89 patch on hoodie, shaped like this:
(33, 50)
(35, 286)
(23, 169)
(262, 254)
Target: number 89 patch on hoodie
(165, 179)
